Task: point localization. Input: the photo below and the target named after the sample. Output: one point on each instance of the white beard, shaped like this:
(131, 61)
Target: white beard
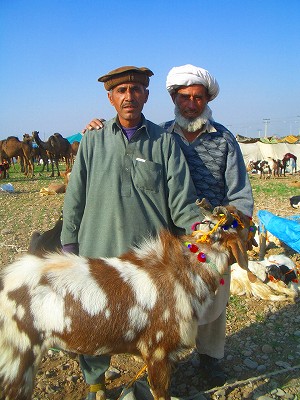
(193, 125)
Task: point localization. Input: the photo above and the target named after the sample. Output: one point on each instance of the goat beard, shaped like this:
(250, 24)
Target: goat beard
(193, 125)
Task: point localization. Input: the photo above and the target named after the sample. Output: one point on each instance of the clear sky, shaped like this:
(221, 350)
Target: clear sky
(53, 51)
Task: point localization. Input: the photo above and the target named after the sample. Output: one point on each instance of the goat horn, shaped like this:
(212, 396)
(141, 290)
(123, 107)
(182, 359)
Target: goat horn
(221, 210)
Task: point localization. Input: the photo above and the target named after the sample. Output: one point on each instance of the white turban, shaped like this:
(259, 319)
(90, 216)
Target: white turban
(187, 75)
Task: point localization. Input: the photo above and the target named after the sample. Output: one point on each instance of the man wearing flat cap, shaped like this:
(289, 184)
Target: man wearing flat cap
(128, 182)
(218, 171)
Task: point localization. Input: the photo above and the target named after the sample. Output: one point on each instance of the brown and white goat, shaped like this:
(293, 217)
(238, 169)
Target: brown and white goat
(148, 301)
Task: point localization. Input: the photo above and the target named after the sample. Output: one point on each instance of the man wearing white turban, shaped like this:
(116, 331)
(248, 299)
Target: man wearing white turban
(218, 170)
(219, 174)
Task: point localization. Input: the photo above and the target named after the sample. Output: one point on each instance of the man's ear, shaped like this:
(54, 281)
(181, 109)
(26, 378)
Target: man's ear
(147, 95)
(173, 96)
(110, 98)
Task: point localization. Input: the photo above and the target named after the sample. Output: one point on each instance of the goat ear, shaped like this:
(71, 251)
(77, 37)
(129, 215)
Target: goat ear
(239, 251)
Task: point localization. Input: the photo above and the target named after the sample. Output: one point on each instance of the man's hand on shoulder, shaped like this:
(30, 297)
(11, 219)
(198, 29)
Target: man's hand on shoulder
(94, 124)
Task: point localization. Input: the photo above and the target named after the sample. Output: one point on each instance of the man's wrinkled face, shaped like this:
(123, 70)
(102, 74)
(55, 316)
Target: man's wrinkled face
(128, 100)
(191, 100)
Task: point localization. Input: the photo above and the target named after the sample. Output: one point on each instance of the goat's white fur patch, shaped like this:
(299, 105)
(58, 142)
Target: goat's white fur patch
(188, 332)
(81, 285)
(138, 318)
(150, 245)
(103, 350)
(48, 309)
(139, 280)
(182, 302)
(13, 337)
(166, 315)
(159, 354)
(9, 363)
(144, 349)
(200, 286)
(159, 336)
(20, 312)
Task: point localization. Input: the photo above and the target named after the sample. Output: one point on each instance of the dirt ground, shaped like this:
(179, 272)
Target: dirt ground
(263, 337)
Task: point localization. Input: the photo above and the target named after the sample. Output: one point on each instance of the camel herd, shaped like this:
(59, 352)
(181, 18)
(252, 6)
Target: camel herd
(55, 149)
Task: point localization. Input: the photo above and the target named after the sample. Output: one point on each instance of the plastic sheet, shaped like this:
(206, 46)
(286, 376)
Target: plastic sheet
(7, 187)
(285, 229)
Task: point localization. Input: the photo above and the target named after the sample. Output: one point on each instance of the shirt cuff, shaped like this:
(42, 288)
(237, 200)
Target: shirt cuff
(71, 248)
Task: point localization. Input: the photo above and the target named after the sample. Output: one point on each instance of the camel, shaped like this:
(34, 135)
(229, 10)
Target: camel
(287, 157)
(56, 147)
(63, 147)
(37, 152)
(4, 157)
(13, 147)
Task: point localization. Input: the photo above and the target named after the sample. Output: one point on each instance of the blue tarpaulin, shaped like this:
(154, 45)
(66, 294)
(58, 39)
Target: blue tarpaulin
(285, 229)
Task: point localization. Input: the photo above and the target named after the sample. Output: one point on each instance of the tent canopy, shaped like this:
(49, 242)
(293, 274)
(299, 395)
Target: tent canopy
(260, 149)
(75, 138)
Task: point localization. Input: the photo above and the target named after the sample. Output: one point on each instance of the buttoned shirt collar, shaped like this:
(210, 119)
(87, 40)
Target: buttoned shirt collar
(116, 126)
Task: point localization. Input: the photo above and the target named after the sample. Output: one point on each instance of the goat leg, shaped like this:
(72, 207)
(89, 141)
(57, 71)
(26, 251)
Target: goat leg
(159, 373)
(19, 385)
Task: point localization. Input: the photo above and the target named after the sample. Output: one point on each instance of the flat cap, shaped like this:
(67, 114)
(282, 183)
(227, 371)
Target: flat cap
(126, 74)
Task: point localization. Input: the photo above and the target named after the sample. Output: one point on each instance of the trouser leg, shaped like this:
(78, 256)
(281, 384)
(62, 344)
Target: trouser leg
(211, 337)
(94, 368)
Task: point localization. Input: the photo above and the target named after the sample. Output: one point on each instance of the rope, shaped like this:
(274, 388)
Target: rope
(222, 221)
(130, 383)
(205, 235)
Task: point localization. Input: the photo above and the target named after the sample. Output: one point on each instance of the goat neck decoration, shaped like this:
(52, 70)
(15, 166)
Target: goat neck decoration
(203, 236)
(201, 257)
(149, 301)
